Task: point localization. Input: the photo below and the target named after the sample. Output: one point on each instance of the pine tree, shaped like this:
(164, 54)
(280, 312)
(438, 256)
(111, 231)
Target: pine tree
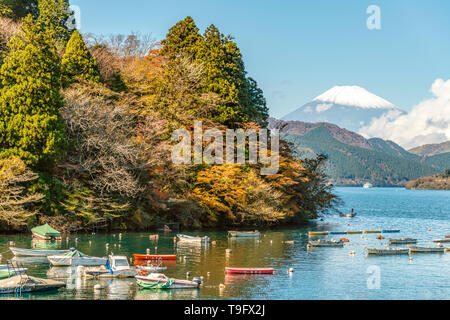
(54, 16)
(77, 61)
(182, 39)
(30, 125)
(18, 9)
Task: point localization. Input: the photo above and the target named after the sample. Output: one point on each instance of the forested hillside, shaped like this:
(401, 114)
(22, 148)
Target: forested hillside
(86, 127)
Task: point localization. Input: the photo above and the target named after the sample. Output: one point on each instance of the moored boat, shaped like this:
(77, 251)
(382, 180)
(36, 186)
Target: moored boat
(76, 258)
(402, 241)
(441, 240)
(231, 270)
(186, 238)
(155, 256)
(115, 267)
(247, 234)
(372, 231)
(36, 253)
(24, 283)
(390, 231)
(326, 243)
(318, 233)
(353, 232)
(337, 232)
(46, 232)
(161, 281)
(349, 215)
(387, 251)
(416, 249)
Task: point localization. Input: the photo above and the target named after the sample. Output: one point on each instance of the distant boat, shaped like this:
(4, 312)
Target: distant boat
(402, 241)
(161, 281)
(230, 270)
(115, 267)
(247, 234)
(186, 238)
(367, 185)
(76, 258)
(416, 249)
(46, 232)
(441, 240)
(326, 243)
(349, 215)
(36, 253)
(387, 251)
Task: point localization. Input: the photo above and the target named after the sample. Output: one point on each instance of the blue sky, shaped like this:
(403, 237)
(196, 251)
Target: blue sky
(299, 49)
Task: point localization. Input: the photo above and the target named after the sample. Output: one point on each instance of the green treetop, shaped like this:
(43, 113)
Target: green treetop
(182, 39)
(77, 61)
(30, 125)
(17, 9)
(54, 16)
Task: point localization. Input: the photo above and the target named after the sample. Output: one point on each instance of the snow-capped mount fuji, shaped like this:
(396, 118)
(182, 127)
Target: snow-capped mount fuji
(350, 107)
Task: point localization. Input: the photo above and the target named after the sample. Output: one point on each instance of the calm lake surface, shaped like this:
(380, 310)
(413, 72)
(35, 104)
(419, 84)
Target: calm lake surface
(321, 273)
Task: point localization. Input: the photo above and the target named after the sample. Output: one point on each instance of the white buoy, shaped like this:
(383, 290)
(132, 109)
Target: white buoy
(188, 274)
(148, 251)
(291, 270)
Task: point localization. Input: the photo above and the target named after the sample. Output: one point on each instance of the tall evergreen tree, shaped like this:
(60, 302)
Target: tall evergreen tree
(18, 9)
(54, 16)
(183, 39)
(30, 125)
(77, 61)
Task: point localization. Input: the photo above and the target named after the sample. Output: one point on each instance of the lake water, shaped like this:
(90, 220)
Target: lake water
(321, 273)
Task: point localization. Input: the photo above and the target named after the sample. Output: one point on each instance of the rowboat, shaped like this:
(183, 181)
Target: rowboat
(318, 233)
(387, 251)
(349, 215)
(46, 232)
(390, 231)
(115, 267)
(416, 249)
(155, 256)
(354, 232)
(161, 281)
(402, 241)
(36, 253)
(76, 258)
(372, 231)
(24, 283)
(246, 234)
(447, 236)
(326, 243)
(230, 270)
(442, 240)
(186, 238)
(337, 232)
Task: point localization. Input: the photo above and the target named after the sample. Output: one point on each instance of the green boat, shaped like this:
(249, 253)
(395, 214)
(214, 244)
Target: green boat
(46, 232)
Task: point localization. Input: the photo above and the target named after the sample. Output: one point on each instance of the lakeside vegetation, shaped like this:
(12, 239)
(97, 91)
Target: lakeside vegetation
(86, 125)
(435, 182)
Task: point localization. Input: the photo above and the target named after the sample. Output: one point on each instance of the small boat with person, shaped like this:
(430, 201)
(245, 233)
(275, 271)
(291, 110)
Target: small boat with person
(20, 252)
(416, 249)
(76, 258)
(46, 232)
(367, 185)
(161, 281)
(231, 270)
(349, 215)
(326, 243)
(186, 238)
(387, 251)
(402, 241)
(244, 234)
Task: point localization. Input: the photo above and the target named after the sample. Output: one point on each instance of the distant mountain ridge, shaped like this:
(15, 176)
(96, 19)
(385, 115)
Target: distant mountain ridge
(354, 160)
(431, 149)
(349, 107)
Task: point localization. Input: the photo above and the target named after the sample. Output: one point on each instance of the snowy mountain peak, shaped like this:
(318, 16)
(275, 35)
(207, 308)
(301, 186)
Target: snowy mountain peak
(353, 96)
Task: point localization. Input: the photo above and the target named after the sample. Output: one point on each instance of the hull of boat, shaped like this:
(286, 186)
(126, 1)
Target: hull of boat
(326, 244)
(24, 284)
(354, 232)
(414, 249)
(442, 240)
(155, 256)
(183, 238)
(383, 252)
(43, 237)
(402, 241)
(105, 273)
(149, 282)
(230, 270)
(318, 233)
(36, 253)
(58, 260)
(390, 231)
(372, 231)
(243, 234)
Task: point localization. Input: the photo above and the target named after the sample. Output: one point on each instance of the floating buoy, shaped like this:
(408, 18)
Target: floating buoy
(213, 243)
(351, 253)
(221, 286)
(345, 239)
(410, 259)
(208, 273)
(380, 237)
(98, 287)
(188, 274)
(291, 270)
(148, 251)
(107, 244)
(429, 229)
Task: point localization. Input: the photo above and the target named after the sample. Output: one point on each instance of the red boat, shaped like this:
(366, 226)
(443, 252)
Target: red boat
(155, 256)
(229, 270)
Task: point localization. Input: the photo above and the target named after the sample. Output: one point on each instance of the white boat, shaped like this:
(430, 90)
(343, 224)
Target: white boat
(244, 234)
(36, 253)
(387, 251)
(416, 249)
(186, 238)
(367, 185)
(161, 281)
(402, 241)
(115, 267)
(24, 283)
(76, 258)
(326, 243)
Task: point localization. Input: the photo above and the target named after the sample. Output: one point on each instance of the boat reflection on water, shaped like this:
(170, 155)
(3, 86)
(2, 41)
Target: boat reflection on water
(40, 244)
(18, 260)
(166, 294)
(195, 251)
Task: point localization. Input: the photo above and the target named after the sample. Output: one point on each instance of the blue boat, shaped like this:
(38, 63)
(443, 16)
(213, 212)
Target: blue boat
(390, 231)
(337, 232)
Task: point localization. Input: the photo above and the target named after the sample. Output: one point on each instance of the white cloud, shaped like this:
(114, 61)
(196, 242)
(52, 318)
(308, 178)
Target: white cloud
(323, 107)
(428, 122)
